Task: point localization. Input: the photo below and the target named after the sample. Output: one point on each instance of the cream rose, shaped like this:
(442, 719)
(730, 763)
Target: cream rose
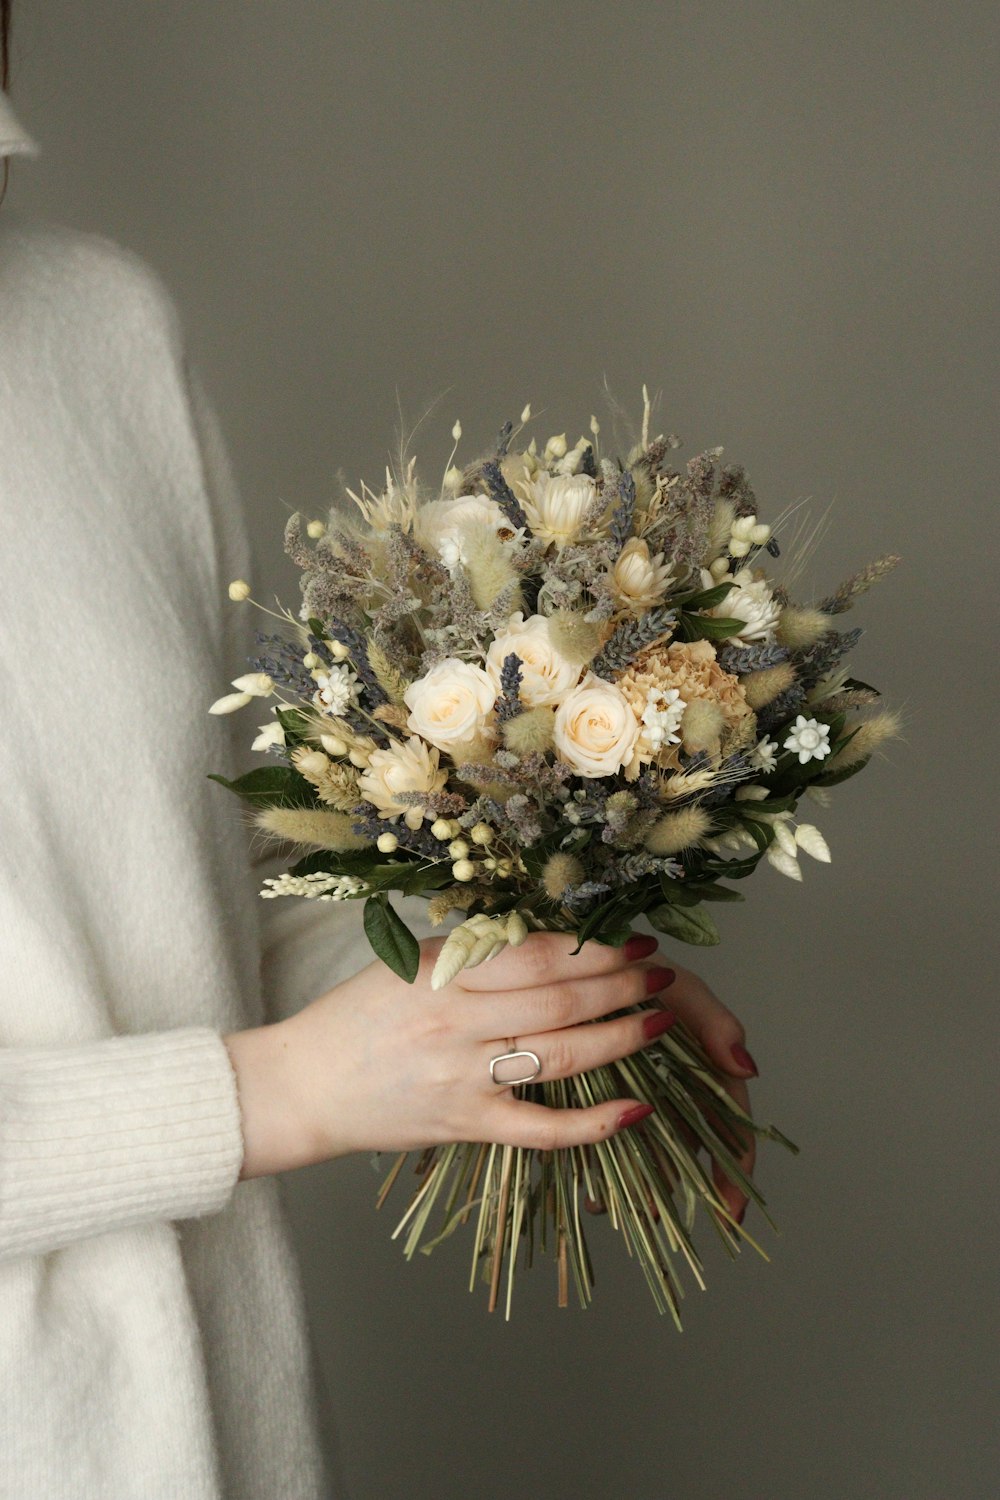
(448, 707)
(441, 523)
(640, 578)
(406, 766)
(596, 729)
(556, 504)
(546, 676)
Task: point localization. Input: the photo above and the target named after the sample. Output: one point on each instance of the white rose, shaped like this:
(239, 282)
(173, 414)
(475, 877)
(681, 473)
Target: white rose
(441, 523)
(639, 577)
(546, 676)
(408, 766)
(595, 728)
(449, 705)
(751, 601)
(555, 505)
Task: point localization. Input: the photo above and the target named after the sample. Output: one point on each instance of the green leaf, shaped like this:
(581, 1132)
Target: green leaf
(834, 778)
(707, 627)
(391, 939)
(707, 598)
(317, 627)
(271, 786)
(719, 893)
(689, 924)
(293, 722)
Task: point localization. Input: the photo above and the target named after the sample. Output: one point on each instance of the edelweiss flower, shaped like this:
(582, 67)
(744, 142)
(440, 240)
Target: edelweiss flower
(809, 738)
(556, 504)
(337, 691)
(751, 601)
(640, 578)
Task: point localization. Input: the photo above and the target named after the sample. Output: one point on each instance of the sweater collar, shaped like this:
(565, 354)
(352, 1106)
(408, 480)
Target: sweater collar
(14, 140)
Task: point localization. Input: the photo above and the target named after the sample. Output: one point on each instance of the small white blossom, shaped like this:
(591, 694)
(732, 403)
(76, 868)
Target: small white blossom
(661, 718)
(338, 690)
(809, 739)
(764, 754)
(317, 887)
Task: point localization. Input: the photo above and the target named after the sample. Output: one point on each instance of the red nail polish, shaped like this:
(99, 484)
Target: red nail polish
(634, 1115)
(657, 1022)
(658, 979)
(743, 1058)
(640, 946)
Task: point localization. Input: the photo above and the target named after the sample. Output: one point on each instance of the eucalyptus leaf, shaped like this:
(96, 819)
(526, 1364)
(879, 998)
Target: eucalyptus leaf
(391, 939)
(707, 627)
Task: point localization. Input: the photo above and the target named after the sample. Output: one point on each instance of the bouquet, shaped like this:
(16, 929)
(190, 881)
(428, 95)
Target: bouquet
(559, 691)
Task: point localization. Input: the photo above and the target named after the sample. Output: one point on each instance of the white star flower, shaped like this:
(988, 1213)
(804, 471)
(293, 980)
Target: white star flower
(809, 739)
(662, 716)
(337, 690)
(764, 754)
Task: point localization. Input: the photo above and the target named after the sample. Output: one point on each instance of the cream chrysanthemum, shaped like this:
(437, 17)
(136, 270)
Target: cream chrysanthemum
(556, 505)
(640, 578)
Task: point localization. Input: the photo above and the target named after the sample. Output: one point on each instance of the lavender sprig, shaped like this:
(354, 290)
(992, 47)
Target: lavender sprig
(504, 496)
(508, 705)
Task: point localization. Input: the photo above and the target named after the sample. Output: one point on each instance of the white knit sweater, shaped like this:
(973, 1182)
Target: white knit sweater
(152, 1340)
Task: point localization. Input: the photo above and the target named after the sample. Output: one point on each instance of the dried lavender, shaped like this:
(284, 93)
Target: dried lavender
(505, 497)
(622, 516)
(754, 658)
(629, 638)
(508, 705)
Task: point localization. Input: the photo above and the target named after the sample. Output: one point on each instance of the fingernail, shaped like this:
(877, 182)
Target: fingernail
(743, 1058)
(658, 979)
(634, 1115)
(657, 1022)
(640, 946)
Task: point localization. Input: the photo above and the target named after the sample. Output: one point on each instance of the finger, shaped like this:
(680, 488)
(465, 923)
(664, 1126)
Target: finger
(546, 957)
(746, 1154)
(515, 1122)
(577, 1049)
(568, 1002)
(720, 1032)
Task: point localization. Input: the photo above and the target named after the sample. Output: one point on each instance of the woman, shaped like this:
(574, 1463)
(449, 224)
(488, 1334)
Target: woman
(151, 1321)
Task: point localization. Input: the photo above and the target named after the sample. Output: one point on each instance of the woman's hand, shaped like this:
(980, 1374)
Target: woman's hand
(380, 1065)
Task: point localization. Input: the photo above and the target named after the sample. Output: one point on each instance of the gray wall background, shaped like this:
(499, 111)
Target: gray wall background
(780, 215)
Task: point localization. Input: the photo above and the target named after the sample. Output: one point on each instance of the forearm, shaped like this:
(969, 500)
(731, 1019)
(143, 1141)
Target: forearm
(277, 1136)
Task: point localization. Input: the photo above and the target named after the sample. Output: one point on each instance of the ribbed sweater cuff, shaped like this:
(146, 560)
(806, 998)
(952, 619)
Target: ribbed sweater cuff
(105, 1134)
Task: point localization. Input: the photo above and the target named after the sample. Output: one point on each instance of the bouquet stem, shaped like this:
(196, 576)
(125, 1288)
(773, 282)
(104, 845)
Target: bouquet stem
(649, 1179)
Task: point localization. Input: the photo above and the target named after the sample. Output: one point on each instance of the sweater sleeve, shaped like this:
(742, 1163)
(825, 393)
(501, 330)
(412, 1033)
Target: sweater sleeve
(98, 1136)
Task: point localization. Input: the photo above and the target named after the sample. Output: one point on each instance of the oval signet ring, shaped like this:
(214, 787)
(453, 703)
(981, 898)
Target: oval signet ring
(510, 1057)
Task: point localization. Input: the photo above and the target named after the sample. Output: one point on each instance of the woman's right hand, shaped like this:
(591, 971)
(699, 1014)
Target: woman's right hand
(377, 1064)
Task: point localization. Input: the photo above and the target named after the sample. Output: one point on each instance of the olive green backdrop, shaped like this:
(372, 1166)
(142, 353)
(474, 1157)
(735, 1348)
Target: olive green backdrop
(781, 216)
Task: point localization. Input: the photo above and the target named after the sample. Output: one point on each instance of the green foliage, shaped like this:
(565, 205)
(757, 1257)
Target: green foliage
(705, 598)
(706, 627)
(687, 924)
(271, 786)
(391, 939)
(295, 724)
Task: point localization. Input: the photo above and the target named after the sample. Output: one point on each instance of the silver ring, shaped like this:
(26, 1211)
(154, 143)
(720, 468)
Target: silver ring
(506, 1057)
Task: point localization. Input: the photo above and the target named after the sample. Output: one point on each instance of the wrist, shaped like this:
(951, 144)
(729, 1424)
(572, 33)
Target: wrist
(276, 1135)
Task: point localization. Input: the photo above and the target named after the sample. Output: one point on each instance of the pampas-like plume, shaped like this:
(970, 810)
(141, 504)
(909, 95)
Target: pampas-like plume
(701, 726)
(455, 898)
(312, 827)
(561, 871)
(392, 682)
(678, 830)
(871, 734)
(761, 688)
(487, 565)
(799, 627)
(530, 731)
(720, 528)
(577, 639)
(859, 584)
(336, 783)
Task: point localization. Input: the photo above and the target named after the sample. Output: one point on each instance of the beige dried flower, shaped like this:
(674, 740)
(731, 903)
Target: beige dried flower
(690, 667)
